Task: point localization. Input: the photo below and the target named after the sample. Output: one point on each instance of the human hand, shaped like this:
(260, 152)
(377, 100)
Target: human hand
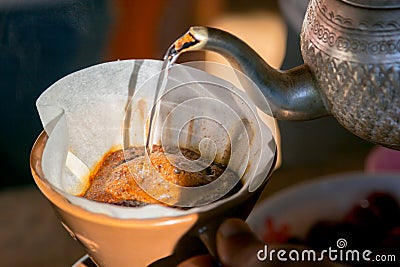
(237, 246)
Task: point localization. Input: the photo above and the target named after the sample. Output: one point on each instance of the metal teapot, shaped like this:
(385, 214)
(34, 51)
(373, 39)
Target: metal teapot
(351, 50)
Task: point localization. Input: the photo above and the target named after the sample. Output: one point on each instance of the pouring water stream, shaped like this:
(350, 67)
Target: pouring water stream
(170, 58)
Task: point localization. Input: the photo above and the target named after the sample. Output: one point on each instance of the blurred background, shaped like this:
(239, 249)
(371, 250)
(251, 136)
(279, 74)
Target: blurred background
(44, 40)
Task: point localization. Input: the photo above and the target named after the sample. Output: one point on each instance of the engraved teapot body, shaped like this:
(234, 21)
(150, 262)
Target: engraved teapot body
(351, 70)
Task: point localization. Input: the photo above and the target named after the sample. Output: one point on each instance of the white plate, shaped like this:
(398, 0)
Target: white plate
(295, 209)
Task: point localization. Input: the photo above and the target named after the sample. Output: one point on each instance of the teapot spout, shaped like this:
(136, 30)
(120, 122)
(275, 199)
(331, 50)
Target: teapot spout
(291, 95)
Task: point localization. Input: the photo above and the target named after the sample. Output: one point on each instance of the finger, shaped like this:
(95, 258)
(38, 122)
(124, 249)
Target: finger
(237, 245)
(198, 261)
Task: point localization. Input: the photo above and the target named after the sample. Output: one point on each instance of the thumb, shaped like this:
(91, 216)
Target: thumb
(237, 245)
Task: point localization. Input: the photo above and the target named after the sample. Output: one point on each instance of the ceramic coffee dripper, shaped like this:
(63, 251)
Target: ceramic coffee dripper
(111, 235)
(351, 52)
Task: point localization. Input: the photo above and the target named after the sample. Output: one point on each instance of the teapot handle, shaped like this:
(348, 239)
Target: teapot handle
(291, 95)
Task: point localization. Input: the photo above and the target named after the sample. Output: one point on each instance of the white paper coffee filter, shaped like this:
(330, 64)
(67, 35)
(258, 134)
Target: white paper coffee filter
(106, 106)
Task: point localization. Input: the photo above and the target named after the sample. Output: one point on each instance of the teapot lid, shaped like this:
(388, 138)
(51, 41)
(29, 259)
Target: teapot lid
(380, 4)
